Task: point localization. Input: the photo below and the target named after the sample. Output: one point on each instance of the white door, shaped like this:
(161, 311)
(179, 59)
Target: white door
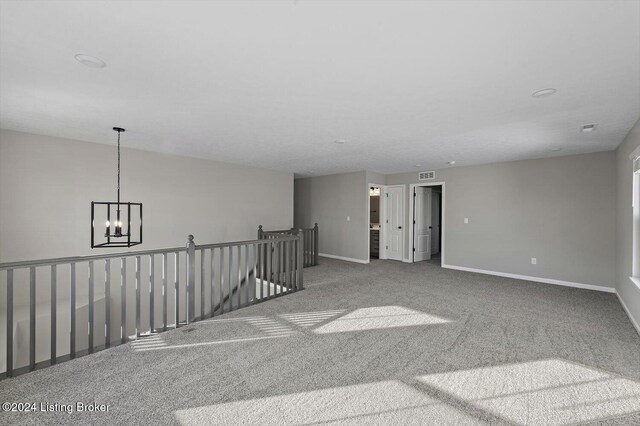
(435, 222)
(422, 225)
(394, 233)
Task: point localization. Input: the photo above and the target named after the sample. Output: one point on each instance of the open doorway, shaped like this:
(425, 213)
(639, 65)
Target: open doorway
(427, 238)
(374, 222)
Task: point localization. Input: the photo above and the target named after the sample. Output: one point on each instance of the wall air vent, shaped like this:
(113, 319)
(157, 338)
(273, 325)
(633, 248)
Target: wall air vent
(427, 175)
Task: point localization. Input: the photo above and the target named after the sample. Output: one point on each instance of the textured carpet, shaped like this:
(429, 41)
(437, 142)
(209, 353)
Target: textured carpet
(385, 343)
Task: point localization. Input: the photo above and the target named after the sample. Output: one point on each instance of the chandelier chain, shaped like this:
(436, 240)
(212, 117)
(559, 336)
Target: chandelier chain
(118, 169)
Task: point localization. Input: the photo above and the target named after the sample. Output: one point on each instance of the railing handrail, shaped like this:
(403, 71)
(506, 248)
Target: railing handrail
(282, 231)
(78, 259)
(244, 243)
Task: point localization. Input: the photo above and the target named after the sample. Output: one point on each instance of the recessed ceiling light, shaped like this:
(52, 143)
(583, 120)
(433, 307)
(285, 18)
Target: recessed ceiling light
(588, 128)
(556, 149)
(544, 92)
(90, 61)
(340, 141)
(451, 162)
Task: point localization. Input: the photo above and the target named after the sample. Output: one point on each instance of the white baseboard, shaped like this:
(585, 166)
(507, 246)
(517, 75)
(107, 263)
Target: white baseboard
(536, 279)
(633, 320)
(348, 259)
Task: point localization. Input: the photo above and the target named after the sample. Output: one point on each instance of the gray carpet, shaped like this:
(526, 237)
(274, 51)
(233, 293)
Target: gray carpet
(386, 343)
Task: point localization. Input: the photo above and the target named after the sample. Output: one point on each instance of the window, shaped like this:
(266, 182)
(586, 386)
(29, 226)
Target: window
(635, 271)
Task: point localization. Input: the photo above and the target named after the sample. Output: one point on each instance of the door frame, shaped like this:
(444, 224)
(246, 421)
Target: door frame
(412, 186)
(381, 253)
(383, 220)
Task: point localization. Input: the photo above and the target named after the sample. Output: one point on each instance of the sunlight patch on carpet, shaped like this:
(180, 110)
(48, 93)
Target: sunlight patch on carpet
(379, 317)
(384, 403)
(550, 392)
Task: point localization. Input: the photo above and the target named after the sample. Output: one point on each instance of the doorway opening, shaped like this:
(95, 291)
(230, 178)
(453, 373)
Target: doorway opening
(374, 222)
(427, 240)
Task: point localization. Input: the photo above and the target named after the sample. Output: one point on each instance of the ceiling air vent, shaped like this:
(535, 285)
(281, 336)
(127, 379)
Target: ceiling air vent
(427, 175)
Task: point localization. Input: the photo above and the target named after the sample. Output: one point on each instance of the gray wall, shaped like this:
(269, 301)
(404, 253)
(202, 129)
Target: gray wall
(558, 210)
(328, 200)
(373, 177)
(627, 291)
(47, 184)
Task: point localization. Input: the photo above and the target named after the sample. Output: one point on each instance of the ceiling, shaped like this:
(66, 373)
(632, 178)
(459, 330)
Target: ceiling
(275, 84)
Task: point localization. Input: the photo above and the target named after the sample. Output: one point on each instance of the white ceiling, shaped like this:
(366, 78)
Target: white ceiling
(274, 84)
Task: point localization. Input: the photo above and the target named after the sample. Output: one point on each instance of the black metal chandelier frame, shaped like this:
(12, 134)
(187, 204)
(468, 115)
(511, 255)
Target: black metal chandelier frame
(115, 232)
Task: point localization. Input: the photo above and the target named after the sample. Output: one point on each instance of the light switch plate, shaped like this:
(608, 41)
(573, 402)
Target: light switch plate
(534, 261)
(466, 220)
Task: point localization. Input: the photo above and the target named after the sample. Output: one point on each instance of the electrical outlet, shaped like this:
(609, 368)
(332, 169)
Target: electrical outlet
(534, 261)
(466, 220)
(348, 218)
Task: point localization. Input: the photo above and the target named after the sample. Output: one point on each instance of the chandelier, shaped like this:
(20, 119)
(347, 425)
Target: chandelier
(122, 219)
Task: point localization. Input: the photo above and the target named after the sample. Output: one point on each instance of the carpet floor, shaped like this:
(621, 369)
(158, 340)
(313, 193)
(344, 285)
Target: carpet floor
(384, 343)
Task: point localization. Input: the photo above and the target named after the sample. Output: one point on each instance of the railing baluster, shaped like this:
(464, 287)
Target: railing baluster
(285, 266)
(239, 285)
(256, 269)
(164, 291)
(221, 280)
(202, 284)
(191, 279)
(9, 322)
(303, 246)
(311, 245)
(137, 296)
(293, 259)
(107, 303)
(262, 250)
(72, 337)
(230, 278)
(246, 275)
(300, 282)
(72, 303)
(290, 265)
(315, 244)
(305, 243)
(276, 280)
(32, 318)
(294, 263)
(280, 266)
(54, 305)
(176, 280)
(276, 266)
(298, 260)
(213, 285)
(91, 298)
(123, 300)
(269, 257)
(152, 302)
(310, 248)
